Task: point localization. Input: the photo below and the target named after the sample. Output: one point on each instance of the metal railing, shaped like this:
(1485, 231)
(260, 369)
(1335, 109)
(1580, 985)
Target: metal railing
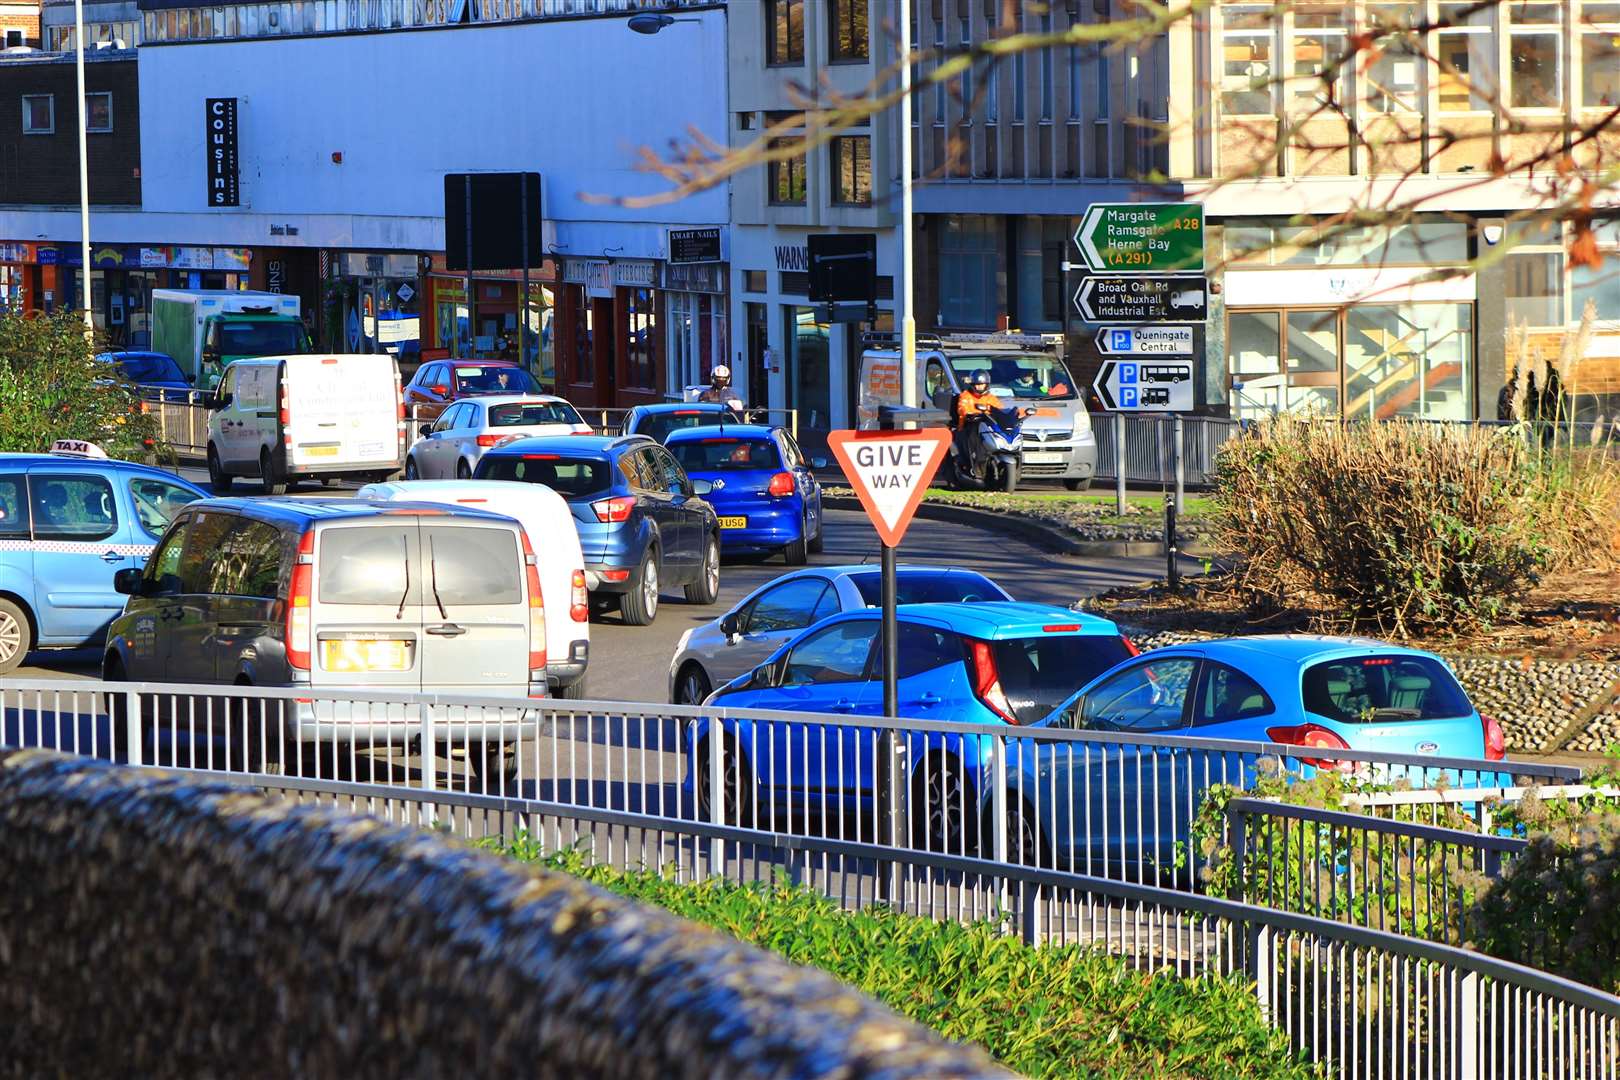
(1403, 876)
(1149, 447)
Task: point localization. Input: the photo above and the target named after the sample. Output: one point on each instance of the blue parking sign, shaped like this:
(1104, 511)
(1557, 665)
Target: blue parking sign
(1127, 396)
(1120, 340)
(1127, 374)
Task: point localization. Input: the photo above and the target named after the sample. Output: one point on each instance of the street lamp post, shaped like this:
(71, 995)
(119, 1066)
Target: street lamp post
(908, 322)
(84, 170)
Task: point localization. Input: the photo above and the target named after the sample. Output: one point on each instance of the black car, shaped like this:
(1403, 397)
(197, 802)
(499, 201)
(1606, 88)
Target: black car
(642, 521)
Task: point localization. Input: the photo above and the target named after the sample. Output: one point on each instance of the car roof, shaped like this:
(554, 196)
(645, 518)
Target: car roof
(998, 620)
(520, 399)
(1298, 649)
(125, 354)
(477, 363)
(295, 509)
(432, 491)
(738, 431)
(677, 406)
(112, 464)
(569, 444)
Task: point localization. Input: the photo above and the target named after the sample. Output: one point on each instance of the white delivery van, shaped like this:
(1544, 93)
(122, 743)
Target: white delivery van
(1026, 371)
(549, 523)
(289, 418)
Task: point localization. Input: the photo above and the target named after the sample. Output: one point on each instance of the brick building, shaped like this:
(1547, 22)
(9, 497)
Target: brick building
(19, 25)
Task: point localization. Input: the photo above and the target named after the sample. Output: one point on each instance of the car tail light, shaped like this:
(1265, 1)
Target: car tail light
(987, 682)
(1316, 736)
(490, 440)
(1130, 646)
(537, 613)
(285, 415)
(1495, 741)
(616, 509)
(298, 619)
(782, 484)
(578, 605)
(615, 575)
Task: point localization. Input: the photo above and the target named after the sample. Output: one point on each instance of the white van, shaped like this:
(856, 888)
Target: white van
(289, 418)
(1026, 371)
(546, 519)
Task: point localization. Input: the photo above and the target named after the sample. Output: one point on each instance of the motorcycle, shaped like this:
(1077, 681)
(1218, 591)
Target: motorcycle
(1001, 438)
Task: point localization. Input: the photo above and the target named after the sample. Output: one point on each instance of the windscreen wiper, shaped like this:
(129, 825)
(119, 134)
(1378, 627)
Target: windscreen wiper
(1397, 714)
(433, 572)
(406, 595)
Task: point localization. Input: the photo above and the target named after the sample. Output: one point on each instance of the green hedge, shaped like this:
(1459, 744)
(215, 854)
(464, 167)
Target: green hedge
(1044, 1011)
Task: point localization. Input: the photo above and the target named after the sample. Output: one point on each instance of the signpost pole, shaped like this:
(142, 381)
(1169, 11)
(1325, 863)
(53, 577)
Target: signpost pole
(1119, 464)
(908, 324)
(888, 791)
(84, 170)
(523, 308)
(472, 323)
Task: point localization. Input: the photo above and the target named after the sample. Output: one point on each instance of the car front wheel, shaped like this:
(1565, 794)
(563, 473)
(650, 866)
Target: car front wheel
(692, 688)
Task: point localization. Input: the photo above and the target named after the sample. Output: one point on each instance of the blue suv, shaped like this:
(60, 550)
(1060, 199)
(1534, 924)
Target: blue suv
(68, 524)
(658, 421)
(642, 522)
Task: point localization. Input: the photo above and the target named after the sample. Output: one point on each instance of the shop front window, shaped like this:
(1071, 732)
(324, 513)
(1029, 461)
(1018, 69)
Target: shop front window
(584, 343)
(1599, 284)
(641, 341)
(810, 374)
(1535, 288)
(1408, 360)
(1312, 341)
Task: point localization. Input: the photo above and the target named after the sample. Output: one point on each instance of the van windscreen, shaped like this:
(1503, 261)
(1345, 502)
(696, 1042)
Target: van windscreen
(260, 338)
(471, 566)
(564, 475)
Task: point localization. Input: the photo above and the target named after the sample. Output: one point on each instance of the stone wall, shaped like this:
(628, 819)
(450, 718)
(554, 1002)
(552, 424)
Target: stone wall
(154, 925)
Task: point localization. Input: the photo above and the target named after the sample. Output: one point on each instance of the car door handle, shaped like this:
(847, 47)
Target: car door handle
(842, 705)
(929, 699)
(111, 557)
(447, 630)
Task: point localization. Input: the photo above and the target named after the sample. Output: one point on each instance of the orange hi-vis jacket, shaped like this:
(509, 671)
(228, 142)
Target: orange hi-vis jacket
(968, 403)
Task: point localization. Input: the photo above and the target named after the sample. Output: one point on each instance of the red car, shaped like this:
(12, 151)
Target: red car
(438, 383)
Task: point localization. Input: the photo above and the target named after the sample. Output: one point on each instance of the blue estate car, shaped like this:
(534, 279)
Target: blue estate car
(642, 521)
(997, 663)
(657, 421)
(761, 488)
(68, 523)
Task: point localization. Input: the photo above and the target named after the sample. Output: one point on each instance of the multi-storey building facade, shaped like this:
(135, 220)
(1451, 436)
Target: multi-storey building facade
(19, 25)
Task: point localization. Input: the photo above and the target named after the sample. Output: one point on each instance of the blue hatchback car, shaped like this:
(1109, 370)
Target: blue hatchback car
(154, 374)
(642, 521)
(761, 488)
(657, 421)
(68, 523)
(998, 663)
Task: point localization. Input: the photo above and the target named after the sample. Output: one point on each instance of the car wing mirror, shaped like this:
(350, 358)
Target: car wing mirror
(702, 487)
(728, 625)
(127, 581)
(818, 463)
(426, 431)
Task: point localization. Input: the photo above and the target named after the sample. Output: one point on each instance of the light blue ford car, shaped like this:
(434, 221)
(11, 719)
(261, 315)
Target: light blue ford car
(68, 523)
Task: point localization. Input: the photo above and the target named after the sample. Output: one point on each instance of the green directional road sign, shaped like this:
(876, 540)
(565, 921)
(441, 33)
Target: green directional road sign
(1142, 238)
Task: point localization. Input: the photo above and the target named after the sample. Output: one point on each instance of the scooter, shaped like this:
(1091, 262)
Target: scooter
(1001, 436)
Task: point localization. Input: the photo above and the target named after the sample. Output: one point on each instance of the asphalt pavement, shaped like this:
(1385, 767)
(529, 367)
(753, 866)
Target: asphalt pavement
(630, 663)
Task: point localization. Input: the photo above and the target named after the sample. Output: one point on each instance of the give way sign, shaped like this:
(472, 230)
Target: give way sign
(889, 471)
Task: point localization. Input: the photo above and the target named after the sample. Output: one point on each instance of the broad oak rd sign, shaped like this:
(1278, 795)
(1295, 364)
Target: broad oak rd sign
(1143, 299)
(1142, 238)
(889, 471)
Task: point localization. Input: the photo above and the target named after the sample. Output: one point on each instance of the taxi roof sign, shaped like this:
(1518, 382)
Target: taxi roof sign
(77, 448)
(889, 471)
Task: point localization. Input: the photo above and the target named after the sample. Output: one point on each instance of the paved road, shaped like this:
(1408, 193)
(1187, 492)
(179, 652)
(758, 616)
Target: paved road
(632, 663)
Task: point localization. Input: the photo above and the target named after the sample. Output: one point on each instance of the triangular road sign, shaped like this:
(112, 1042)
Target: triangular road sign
(889, 471)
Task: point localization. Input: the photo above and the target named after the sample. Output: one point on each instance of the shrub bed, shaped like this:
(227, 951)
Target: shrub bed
(1043, 1011)
(52, 387)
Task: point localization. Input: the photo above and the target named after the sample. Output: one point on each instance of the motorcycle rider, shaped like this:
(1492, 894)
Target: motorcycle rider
(719, 391)
(972, 404)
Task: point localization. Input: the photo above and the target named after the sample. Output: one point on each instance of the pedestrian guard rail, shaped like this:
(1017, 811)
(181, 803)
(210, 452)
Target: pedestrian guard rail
(1077, 835)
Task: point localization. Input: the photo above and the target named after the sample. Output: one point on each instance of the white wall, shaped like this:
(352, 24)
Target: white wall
(571, 99)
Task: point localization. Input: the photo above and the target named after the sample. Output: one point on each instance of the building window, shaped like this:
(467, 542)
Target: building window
(1046, 71)
(1319, 49)
(1600, 56)
(754, 281)
(1041, 242)
(39, 114)
(786, 176)
(1248, 61)
(1467, 57)
(848, 30)
(98, 114)
(784, 31)
(1599, 284)
(14, 39)
(1393, 79)
(969, 270)
(1536, 52)
(852, 170)
(641, 346)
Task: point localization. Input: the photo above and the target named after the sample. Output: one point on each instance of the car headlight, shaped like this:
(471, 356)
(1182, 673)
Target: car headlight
(1082, 421)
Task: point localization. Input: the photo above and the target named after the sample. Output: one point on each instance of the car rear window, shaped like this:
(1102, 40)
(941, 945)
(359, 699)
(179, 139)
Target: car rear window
(471, 566)
(367, 566)
(659, 425)
(565, 475)
(490, 380)
(153, 368)
(1379, 688)
(532, 414)
(1039, 673)
(727, 455)
(954, 588)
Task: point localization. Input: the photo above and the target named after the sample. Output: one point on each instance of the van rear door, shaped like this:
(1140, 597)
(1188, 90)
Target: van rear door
(367, 609)
(341, 410)
(475, 609)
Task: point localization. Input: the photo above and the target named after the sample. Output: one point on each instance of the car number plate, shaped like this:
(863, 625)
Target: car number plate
(734, 523)
(365, 654)
(1043, 459)
(319, 451)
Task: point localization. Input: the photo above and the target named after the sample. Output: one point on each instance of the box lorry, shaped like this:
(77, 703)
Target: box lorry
(205, 329)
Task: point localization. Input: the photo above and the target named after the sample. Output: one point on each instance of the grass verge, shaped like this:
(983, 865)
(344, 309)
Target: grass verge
(1041, 1011)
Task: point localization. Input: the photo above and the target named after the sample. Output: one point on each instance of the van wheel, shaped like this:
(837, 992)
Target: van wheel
(706, 589)
(218, 478)
(269, 479)
(16, 638)
(639, 606)
(1077, 485)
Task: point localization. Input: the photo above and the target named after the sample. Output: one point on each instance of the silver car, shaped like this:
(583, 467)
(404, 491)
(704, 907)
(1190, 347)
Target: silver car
(718, 651)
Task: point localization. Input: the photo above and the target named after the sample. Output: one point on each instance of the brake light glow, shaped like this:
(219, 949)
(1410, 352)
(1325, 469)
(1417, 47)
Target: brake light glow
(719, 442)
(537, 613)
(1130, 646)
(782, 484)
(688, 412)
(542, 457)
(578, 605)
(490, 440)
(284, 413)
(1495, 741)
(614, 510)
(615, 575)
(987, 682)
(298, 619)
(1061, 628)
(1378, 661)
(1315, 736)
